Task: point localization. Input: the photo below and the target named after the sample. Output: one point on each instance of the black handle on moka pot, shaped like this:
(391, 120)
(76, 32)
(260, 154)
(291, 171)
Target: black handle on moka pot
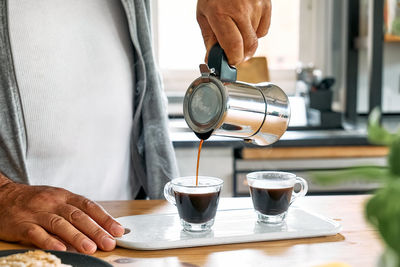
(218, 61)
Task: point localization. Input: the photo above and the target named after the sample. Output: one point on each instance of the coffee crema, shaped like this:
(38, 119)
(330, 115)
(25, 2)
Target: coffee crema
(197, 208)
(271, 201)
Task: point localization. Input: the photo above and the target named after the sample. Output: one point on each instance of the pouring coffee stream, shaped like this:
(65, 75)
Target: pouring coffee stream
(217, 104)
(198, 162)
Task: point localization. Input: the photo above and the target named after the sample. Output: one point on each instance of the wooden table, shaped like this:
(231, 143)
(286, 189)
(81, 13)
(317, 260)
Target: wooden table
(357, 245)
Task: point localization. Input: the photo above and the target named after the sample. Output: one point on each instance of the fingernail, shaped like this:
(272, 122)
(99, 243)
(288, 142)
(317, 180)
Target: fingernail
(108, 243)
(117, 230)
(59, 247)
(88, 246)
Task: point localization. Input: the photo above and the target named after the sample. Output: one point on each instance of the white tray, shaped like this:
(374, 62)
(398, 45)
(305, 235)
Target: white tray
(163, 231)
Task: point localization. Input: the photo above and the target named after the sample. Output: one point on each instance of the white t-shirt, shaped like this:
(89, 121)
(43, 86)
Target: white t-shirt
(74, 68)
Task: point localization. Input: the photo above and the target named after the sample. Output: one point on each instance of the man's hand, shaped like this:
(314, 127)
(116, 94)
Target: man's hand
(43, 215)
(235, 24)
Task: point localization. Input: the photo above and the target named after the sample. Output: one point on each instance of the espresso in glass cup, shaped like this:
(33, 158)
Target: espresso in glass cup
(273, 192)
(196, 204)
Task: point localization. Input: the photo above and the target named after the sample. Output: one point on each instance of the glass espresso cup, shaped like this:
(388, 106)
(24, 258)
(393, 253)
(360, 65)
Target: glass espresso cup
(273, 192)
(197, 204)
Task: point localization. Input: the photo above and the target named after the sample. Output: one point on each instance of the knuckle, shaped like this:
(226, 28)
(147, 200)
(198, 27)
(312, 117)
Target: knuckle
(76, 215)
(55, 222)
(214, 7)
(242, 9)
(262, 33)
(219, 14)
(77, 238)
(236, 9)
(47, 243)
(108, 221)
(45, 197)
(59, 191)
(268, 5)
(209, 39)
(252, 45)
(30, 232)
(89, 204)
(234, 53)
(98, 233)
(40, 197)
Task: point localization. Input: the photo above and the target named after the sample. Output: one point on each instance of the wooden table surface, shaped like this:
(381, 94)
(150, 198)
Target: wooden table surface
(357, 245)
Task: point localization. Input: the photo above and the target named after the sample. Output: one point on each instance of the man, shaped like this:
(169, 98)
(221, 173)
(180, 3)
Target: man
(82, 111)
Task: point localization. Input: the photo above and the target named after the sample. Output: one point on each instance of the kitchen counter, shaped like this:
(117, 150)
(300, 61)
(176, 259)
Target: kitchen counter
(182, 136)
(298, 151)
(350, 135)
(357, 244)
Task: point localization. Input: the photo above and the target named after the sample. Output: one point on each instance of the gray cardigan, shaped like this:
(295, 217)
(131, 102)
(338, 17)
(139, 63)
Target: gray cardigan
(153, 157)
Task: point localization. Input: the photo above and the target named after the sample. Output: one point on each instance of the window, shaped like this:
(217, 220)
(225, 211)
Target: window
(281, 46)
(180, 48)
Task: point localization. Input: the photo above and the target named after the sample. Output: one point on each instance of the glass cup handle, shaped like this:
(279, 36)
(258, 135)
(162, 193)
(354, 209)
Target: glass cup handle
(169, 193)
(303, 189)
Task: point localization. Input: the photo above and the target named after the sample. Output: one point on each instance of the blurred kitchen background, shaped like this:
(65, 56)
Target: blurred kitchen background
(336, 59)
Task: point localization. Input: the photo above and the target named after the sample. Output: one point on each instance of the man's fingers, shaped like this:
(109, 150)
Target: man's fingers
(229, 37)
(39, 237)
(207, 33)
(87, 226)
(236, 24)
(59, 226)
(98, 214)
(250, 40)
(263, 27)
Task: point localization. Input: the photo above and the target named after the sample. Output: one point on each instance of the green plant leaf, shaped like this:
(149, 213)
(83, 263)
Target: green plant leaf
(383, 211)
(396, 26)
(360, 173)
(394, 157)
(376, 133)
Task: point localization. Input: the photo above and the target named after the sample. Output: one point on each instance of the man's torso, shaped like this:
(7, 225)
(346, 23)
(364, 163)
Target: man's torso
(73, 63)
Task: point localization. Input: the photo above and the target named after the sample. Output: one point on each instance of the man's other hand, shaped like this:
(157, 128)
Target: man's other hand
(51, 217)
(235, 24)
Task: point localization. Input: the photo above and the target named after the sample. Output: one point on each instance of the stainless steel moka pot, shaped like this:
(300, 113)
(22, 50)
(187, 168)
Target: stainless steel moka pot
(217, 104)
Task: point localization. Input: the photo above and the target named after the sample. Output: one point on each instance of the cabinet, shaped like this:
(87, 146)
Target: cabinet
(232, 164)
(303, 160)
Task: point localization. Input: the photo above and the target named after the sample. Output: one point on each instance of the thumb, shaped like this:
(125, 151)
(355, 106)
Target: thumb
(208, 34)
